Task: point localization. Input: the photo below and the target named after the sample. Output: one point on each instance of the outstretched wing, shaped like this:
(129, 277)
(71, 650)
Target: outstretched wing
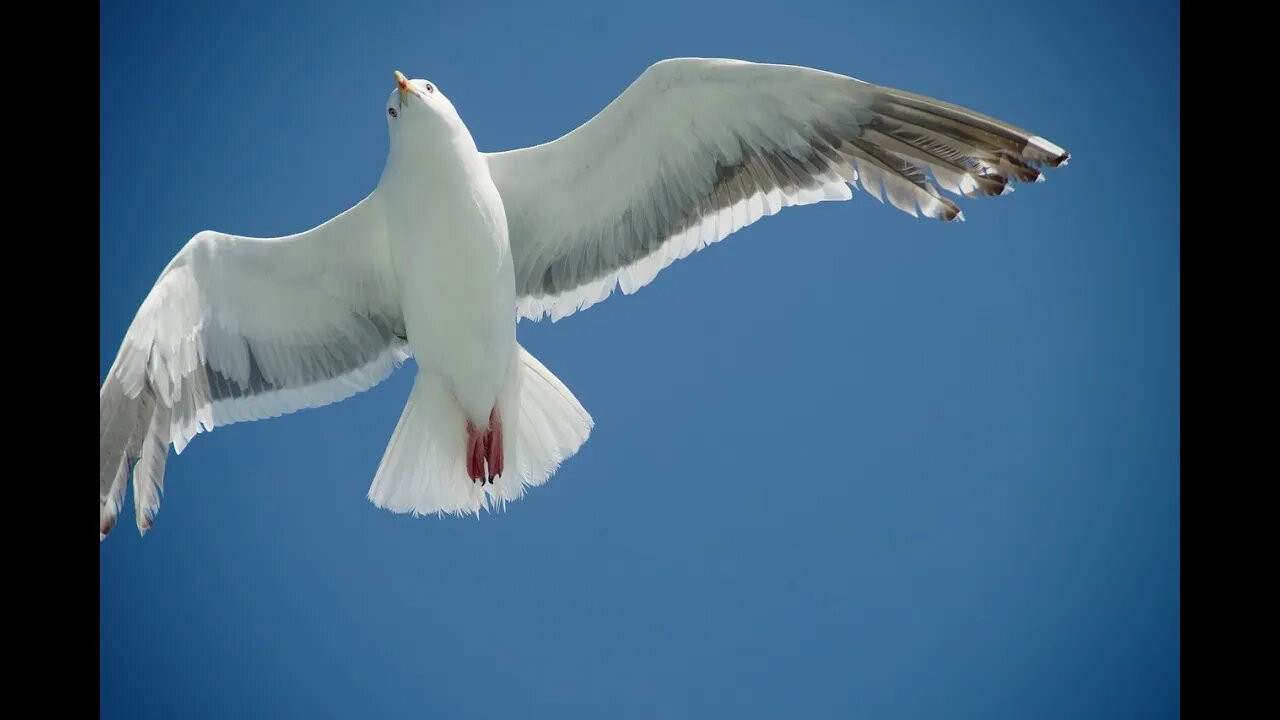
(696, 149)
(239, 328)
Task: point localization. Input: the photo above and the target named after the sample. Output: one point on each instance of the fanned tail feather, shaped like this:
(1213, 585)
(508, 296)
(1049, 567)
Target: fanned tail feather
(423, 470)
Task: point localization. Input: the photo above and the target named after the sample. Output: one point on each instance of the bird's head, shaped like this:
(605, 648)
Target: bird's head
(417, 110)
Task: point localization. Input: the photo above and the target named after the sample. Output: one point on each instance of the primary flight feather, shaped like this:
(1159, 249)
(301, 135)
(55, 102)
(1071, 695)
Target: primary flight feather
(454, 245)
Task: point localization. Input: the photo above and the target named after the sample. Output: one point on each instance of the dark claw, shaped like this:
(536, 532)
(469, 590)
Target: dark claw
(490, 479)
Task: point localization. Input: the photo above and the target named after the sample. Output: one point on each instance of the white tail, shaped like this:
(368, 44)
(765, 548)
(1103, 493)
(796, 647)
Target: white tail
(424, 468)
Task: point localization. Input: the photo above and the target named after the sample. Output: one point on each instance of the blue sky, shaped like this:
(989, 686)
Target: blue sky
(846, 463)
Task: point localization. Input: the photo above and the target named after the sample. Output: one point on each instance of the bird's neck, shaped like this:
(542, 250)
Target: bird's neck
(452, 153)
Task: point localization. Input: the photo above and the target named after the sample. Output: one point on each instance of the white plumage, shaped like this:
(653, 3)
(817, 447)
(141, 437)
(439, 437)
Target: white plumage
(454, 245)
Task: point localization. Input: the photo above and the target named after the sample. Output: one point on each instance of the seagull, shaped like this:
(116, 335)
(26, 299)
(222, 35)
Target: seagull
(454, 246)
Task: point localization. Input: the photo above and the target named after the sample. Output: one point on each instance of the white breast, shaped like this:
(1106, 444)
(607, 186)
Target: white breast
(448, 240)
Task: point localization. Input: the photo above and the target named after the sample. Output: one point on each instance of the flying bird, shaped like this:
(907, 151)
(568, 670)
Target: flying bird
(455, 245)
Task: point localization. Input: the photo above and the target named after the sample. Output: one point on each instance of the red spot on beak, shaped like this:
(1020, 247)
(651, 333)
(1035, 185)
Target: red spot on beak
(405, 87)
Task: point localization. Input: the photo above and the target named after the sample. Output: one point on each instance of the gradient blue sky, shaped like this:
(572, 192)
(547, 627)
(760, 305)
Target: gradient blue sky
(846, 463)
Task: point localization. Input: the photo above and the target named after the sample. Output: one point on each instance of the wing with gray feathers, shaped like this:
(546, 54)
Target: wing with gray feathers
(238, 329)
(696, 149)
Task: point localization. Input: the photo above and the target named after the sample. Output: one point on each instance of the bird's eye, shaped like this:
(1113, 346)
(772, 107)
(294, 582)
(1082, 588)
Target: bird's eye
(429, 88)
(391, 112)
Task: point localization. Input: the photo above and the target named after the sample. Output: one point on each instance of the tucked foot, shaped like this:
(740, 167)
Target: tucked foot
(493, 446)
(476, 453)
(484, 450)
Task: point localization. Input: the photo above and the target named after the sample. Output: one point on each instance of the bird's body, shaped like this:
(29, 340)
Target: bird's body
(454, 245)
(452, 260)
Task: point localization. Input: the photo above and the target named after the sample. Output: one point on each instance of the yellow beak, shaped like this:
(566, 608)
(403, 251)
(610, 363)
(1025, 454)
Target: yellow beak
(403, 82)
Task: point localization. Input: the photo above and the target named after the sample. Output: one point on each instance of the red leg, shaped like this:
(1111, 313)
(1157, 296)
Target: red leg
(475, 452)
(493, 445)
